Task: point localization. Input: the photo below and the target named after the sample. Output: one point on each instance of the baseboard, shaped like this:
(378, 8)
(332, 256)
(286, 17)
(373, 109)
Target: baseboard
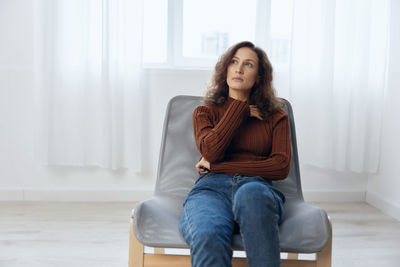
(75, 194)
(135, 194)
(334, 196)
(379, 202)
(11, 194)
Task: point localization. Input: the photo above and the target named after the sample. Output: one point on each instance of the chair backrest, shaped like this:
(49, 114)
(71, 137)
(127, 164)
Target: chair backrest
(178, 155)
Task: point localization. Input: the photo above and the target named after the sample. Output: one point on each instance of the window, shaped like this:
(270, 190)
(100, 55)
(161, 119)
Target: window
(193, 34)
(208, 32)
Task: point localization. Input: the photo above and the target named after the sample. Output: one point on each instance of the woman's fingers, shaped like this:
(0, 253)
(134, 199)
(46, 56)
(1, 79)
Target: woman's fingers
(202, 170)
(255, 112)
(199, 167)
(202, 166)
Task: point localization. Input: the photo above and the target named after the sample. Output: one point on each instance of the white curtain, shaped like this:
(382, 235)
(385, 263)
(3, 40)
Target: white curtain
(336, 81)
(87, 82)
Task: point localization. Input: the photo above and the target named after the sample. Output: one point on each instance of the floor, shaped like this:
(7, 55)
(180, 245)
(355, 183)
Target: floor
(96, 234)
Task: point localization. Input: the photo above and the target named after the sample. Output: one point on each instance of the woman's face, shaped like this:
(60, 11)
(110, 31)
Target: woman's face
(242, 71)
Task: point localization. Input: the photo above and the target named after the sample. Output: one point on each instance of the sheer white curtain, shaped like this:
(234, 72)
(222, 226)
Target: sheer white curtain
(337, 80)
(87, 82)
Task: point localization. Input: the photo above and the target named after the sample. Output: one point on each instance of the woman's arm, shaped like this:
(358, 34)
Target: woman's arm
(275, 167)
(213, 140)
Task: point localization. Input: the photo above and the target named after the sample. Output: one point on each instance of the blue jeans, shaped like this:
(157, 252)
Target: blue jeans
(220, 205)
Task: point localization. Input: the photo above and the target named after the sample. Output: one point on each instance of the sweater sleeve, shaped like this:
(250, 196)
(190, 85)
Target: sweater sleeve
(275, 167)
(213, 140)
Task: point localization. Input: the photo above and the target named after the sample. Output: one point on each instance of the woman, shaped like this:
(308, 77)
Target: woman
(243, 136)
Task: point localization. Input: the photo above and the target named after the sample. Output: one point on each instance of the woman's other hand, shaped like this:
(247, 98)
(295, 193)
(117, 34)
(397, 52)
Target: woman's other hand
(255, 112)
(203, 166)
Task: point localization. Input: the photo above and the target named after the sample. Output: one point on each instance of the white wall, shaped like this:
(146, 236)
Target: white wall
(384, 188)
(23, 178)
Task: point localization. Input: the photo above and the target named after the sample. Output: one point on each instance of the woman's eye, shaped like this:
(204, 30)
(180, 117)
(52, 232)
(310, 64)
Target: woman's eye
(234, 61)
(249, 65)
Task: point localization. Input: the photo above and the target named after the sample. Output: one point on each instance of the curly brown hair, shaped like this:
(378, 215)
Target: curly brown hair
(262, 93)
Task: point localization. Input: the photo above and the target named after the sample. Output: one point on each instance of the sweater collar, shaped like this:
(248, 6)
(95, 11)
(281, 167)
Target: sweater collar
(229, 100)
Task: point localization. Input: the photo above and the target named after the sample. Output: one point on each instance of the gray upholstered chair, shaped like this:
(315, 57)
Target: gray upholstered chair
(154, 222)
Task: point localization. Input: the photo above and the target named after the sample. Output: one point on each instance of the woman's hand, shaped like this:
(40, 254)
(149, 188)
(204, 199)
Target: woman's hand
(255, 112)
(203, 166)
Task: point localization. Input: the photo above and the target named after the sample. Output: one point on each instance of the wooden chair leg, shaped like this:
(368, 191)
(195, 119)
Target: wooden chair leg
(136, 249)
(136, 255)
(159, 250)
(324, 258)
(293, 256)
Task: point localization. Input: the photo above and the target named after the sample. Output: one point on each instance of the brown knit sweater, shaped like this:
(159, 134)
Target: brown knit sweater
(235, 143)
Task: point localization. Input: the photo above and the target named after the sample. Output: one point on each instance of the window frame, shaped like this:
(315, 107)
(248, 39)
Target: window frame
(175, 58)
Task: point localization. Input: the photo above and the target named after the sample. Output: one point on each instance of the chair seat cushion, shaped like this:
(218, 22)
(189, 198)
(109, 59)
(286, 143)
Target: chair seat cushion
(305, 228)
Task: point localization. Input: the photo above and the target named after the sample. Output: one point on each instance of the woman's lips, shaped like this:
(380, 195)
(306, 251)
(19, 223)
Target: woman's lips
(238, 79)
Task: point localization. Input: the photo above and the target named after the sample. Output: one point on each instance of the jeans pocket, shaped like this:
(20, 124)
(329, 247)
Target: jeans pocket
(202, 176)
(264, 181)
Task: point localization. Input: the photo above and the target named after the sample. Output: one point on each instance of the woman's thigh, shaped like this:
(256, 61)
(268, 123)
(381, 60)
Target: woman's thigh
(208, 208)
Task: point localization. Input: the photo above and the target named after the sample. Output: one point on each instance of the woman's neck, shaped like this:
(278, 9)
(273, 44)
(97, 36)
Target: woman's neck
(239, 95)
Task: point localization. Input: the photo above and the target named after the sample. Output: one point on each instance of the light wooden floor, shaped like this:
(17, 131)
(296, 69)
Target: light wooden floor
(43, 234)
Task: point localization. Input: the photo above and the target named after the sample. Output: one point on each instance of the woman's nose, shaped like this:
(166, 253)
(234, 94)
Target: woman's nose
(239, 69)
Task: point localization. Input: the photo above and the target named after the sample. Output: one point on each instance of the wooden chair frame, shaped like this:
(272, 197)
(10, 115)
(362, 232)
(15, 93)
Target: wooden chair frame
(138, 258)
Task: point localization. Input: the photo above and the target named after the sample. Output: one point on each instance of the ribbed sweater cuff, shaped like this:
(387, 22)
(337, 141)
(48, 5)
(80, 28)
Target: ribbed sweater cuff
(233, 118)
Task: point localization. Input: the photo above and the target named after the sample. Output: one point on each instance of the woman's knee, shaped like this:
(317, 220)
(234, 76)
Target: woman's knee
(253, 197)
(254, 192)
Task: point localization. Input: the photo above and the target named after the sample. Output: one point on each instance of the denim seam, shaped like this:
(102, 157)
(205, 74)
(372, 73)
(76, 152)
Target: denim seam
(189, 224)
(278, 207)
